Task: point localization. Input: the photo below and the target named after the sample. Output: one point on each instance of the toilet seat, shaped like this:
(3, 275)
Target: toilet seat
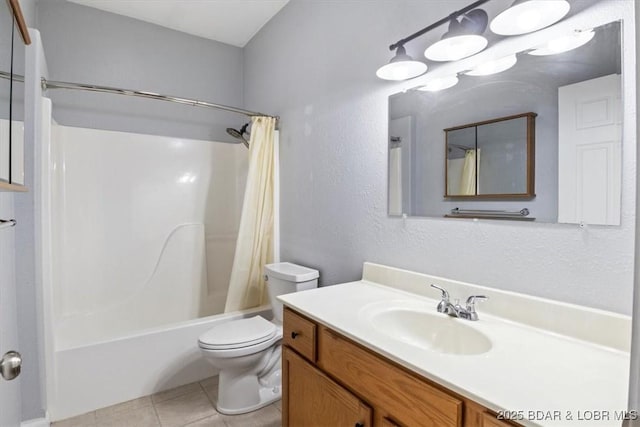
(240, 336)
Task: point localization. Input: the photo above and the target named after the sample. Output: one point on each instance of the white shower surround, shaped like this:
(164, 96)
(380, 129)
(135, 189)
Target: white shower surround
(122, 316)
(143, 230)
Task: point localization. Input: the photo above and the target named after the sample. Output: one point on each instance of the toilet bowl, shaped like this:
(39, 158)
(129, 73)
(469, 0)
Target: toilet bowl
(247, 352)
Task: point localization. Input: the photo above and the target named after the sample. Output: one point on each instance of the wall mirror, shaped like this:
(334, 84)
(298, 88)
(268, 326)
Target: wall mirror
(13, 37)
(576, 99)
(491, 159)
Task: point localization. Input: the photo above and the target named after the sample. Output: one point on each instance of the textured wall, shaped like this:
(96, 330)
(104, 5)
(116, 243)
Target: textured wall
(314, 65)
(86, 45)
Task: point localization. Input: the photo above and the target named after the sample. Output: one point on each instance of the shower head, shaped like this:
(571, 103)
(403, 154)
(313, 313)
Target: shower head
(239, 134)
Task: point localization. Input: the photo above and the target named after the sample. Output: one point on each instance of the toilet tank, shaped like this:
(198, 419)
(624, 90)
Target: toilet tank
(285, 278)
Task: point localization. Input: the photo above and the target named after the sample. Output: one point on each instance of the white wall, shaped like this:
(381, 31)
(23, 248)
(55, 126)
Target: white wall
(314, 65)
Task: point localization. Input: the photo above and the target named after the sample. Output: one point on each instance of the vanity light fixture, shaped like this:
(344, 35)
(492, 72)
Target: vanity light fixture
(438, 84)
(401, 67)
(494, 66)
(463, 38)
(564, 44)
(527, 16)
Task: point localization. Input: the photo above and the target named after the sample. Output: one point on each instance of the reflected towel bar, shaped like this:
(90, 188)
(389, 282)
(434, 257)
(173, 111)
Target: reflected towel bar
(521, 215)
(489, 212)
(6, 223)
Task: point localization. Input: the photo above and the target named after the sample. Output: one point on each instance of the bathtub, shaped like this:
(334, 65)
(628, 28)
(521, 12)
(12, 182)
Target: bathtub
(138, 236)
(105, 373)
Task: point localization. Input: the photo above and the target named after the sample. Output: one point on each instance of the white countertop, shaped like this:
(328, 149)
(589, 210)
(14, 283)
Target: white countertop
(527, 369)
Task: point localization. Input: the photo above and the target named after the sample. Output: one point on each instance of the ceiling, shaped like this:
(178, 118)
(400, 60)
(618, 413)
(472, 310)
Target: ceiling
(233, 22)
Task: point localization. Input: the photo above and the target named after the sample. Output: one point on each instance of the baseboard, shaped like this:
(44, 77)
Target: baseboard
(38, 422)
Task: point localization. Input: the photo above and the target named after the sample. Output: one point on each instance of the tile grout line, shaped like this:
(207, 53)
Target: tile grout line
(210, 402)
(155, 411)
(208, 397)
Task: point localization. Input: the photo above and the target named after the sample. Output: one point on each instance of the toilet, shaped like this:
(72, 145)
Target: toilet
(248, 351)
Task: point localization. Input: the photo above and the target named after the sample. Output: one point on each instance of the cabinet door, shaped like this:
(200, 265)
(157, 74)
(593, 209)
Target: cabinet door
(311, 399)
(408, 399)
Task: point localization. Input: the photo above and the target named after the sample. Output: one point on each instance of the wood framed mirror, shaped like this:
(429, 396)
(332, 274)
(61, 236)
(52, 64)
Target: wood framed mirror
(491, 159)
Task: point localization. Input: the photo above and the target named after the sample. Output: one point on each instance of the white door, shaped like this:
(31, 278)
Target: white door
(589, 144)
(9, 390)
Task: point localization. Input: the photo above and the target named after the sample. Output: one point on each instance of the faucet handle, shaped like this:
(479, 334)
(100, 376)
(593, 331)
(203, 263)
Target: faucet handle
(471, 305)
(445, 294)
(471, 301)
(473, 298)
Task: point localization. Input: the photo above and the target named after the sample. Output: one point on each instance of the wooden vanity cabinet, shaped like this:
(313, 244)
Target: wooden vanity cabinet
(313, 399)
(330, 381)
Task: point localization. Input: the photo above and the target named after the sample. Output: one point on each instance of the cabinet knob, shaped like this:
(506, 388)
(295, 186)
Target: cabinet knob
(359, 425)
(294, 335)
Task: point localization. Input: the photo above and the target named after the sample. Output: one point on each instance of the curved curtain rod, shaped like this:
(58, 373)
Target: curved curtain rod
(47, 84)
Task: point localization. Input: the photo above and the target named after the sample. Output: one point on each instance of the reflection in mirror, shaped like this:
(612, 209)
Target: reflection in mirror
(461, 162)
(5, 88)
(491, 159)
(12, 54)
(417, 176)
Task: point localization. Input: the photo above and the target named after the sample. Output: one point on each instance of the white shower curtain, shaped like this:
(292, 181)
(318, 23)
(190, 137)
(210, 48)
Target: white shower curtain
(469, 171)
(254, 247)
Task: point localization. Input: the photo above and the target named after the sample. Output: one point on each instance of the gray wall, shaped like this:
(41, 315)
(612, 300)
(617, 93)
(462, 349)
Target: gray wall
(86, 45)
(334, 161)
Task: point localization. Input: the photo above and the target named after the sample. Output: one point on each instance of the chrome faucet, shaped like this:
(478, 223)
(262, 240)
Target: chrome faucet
(456, 310)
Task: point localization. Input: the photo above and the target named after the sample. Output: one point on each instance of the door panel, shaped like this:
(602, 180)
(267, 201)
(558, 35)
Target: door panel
(311, 399)
(589, 148)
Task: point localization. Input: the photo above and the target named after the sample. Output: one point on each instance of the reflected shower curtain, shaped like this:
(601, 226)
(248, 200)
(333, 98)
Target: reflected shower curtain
(469, 171)
(254, 247)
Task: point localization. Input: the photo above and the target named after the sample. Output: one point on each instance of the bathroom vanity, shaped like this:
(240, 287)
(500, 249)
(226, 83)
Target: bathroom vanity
(330, 380)
(377, 353)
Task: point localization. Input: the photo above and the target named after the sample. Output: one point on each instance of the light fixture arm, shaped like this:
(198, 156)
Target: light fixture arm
(454, 15)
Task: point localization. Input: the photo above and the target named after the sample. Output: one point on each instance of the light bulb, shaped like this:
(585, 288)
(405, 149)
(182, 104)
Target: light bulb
(454, 48)
(494, 66)
(401, 70)
(528, 16)
(401, 67)
(439, 84)
(564, 44)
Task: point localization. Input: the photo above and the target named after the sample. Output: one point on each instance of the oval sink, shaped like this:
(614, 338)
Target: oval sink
(432, 331)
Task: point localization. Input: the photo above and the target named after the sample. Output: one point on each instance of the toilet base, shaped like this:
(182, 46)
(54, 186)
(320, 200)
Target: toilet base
(268, 395)
(241, 391)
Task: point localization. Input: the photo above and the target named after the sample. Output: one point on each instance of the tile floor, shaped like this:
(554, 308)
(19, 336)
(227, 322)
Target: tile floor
(191, 405)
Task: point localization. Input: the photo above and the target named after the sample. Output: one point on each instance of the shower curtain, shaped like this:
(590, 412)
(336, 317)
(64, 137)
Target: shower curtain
(469, 171)
(254, 247)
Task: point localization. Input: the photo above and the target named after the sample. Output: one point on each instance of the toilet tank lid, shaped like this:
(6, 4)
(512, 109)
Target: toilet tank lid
(291, 272)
